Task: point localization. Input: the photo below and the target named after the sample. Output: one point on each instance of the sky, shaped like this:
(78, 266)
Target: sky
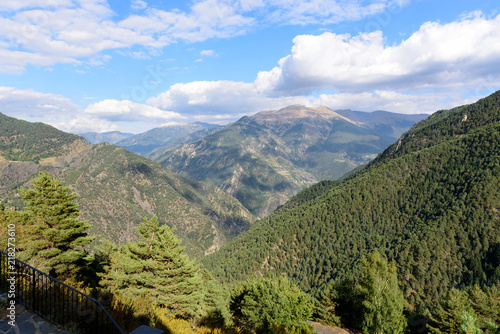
(120, 65)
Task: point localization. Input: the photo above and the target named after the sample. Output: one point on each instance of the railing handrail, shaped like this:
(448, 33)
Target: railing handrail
(98, 303)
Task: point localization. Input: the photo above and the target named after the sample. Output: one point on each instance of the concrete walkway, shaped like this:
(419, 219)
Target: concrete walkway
(27, 322)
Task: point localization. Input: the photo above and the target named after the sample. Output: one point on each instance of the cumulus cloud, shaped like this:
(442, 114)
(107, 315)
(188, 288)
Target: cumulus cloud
(51, 109)
(404, 103)
(224, 101)
(44, 33)
(434, 55)
(212, 98)
(115, 110)
(27, 103)
(83, 124)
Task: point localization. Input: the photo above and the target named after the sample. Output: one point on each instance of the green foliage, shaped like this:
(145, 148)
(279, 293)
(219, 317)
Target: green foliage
(56, 236)
(215, 305)
(156, 265)
(373, 304)
(17, 219)
(271, 304)
(326, 304)
(472, 310)
(447, 316)
(469, 325)
(383, 303)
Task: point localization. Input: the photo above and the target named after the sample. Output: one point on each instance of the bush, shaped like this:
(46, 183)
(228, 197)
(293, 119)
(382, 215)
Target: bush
(271, 305)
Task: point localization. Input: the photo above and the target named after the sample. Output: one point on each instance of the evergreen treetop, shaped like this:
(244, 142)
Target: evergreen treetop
(55, 235)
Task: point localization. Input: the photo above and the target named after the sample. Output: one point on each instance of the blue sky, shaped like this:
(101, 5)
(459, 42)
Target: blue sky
(97, 65)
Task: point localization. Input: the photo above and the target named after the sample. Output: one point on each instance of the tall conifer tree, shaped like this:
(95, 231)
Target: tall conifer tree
(56, 235)
(156, 265)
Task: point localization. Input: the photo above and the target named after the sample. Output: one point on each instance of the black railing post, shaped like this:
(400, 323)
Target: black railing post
(34, 290)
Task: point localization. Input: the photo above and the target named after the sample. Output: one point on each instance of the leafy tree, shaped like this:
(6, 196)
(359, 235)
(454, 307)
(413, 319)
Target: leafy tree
(271, 304)
(383, 302)
(156, 265)
(55, 235)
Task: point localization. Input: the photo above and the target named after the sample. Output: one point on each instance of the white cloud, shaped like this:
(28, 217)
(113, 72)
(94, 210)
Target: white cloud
(51, 109)
(138, 5)
(218, 101)
(207, 52)
(404, 103)
(44, 33)
(114, 110)
(326, 11)
(27, 103)
(445, 55)
(85, 124)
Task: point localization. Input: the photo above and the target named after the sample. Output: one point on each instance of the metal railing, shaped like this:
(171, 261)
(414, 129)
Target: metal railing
(53, 300)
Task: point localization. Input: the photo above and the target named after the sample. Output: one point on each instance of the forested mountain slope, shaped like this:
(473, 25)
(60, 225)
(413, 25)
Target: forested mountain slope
(116, 188)
(265, 159)
(430, 202)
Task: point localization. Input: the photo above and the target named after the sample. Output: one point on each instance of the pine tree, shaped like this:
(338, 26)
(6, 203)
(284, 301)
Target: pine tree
(156, 266)
(469, 324)
(56, 235)
(447, 316)
(383, 302)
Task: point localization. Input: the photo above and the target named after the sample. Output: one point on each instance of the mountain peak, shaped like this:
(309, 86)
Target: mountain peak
(297, 111)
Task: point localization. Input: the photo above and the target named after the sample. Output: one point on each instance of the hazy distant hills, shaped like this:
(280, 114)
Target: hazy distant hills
(192, 137)
(116, 188)
(111, 137)
(430, 202)
(148, 141)
(265, 159)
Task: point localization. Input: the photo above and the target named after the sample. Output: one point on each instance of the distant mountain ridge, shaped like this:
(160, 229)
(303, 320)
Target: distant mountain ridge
(111, 137)
(116, 188)
(146, 142)
(265, 159)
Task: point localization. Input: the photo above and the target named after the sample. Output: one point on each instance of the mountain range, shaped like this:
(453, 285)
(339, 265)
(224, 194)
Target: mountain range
(116, 188)
(261, 161)
(265, 159)
(429, 202)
